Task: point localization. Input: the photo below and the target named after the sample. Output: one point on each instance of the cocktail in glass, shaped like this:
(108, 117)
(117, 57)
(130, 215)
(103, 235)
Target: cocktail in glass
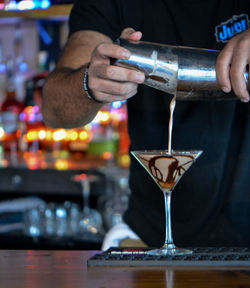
(166, 168)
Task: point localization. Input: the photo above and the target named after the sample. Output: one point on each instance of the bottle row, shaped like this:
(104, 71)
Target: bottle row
(22, 128)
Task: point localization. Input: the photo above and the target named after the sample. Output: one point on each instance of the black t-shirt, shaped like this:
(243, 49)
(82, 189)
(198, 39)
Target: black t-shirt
(211, 203)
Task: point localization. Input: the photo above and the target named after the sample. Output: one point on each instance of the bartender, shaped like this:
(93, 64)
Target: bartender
(211, 203)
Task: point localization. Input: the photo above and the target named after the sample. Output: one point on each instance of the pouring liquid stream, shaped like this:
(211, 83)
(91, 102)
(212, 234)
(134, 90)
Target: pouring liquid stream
(170, 125)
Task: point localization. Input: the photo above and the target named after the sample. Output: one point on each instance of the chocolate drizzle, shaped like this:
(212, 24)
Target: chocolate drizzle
(158, 78)
(175, 170)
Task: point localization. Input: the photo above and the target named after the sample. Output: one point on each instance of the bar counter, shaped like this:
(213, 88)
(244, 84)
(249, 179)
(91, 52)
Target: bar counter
(43, 268)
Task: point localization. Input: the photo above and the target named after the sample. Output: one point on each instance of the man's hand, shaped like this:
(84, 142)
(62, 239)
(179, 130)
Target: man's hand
(110, 83)
(232, 63)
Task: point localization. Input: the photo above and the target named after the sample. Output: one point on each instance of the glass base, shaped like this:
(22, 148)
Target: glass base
(171, 250)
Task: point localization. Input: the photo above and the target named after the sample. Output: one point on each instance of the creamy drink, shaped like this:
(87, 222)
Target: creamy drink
(166, 168)
(170, 125)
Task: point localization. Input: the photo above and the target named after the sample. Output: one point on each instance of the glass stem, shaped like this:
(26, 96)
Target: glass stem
(168, 237)
(85, 194)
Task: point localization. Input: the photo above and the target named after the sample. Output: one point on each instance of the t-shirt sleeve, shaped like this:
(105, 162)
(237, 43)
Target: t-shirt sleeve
(99, 15)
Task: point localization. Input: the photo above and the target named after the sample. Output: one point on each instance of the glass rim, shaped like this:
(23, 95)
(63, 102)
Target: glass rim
(166, 152)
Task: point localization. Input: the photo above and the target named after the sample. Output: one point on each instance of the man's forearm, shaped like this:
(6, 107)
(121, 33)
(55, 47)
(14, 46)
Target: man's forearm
(65, 103)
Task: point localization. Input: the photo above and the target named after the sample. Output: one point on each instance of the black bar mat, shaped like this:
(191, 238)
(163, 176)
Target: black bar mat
(203, 256)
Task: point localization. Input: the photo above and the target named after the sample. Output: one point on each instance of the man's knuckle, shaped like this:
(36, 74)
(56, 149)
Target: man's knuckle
(92, 84)
(122, 90)
(109, 71)
(243, 44)
(219, 61)
(100, 47)
(234, 73)
(131, 75)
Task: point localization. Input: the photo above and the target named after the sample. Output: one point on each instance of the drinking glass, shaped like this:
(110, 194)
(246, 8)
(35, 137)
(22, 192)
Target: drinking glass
(166, 168)
(91, 220)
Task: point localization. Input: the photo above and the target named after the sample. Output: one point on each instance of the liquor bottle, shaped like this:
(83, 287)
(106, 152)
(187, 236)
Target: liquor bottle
(10, 110)
(2, 4)
(2, 73)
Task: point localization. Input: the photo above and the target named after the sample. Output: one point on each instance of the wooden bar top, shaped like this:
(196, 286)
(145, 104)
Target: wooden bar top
(33, 268)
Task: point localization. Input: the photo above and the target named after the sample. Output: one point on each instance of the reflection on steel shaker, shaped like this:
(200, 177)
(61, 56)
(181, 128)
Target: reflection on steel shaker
(188, 71)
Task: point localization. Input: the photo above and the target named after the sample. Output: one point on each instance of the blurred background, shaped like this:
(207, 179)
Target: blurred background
(59, 188)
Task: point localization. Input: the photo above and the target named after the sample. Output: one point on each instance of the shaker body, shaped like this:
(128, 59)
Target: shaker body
(189, 72)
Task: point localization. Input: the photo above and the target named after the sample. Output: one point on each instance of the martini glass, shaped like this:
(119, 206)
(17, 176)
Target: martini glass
(91, 221)
(166, 168)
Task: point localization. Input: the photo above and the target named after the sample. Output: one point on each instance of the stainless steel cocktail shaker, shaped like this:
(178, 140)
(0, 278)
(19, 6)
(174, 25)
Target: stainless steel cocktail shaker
(188, 72)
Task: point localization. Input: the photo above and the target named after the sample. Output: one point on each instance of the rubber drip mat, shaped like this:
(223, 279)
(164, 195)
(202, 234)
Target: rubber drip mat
(209, 256)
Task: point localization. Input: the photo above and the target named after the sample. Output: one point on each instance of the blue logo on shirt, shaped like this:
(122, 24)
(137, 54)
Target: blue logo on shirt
(235, 25)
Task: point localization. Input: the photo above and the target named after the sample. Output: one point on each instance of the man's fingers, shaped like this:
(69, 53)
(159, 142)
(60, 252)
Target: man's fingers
(131, 34)
(117, 74)
(223, 69)
(108, 98)
(231, 65)
(114, 89)
(135, 36)
(127, 32)
(237, 71)
(109, 50)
